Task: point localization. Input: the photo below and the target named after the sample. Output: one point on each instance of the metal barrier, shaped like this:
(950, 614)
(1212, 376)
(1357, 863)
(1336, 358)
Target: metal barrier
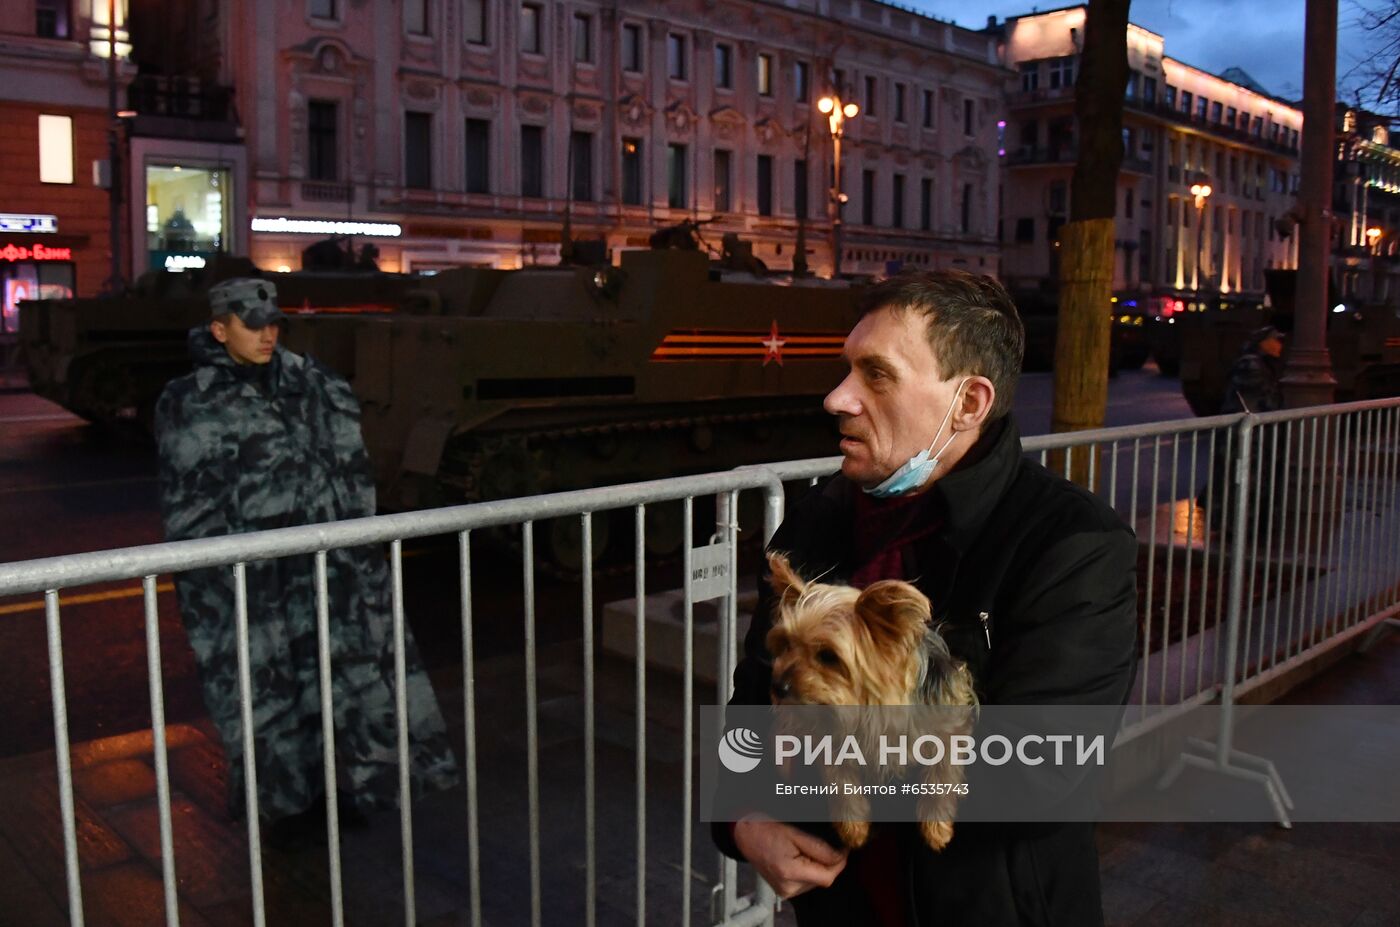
(1284, 526)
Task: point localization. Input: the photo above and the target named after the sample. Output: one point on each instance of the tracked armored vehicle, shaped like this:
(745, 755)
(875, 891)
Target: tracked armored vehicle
(480, 384)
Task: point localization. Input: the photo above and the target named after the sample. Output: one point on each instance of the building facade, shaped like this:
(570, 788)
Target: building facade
(450, 132)
(54, 235)
(1182, 128)
(1366, 204)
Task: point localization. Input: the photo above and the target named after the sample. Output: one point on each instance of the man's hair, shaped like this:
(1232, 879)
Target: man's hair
(223, 318)
(973, 326)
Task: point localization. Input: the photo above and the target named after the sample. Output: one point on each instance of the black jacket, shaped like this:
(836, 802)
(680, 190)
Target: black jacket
(1054, 569)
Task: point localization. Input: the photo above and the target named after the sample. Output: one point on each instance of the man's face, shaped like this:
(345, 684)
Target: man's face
(1272, 346)
(246, 345)
(892, 402)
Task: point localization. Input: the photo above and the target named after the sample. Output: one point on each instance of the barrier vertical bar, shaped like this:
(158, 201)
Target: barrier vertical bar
(1338, 586)
(590, 754)
(1226, 520)
(1190, 558)
(1170, 575)
(1113, 475)
(65, 761)
(1205, 562)
(1132, 496)
(1241, 477)
(464, 571)
(532, 729)
(1295, 603)
(641, 676)
(1093, 451)
(1368, 500)
(323, 662)
(1268, 544)
(1151, 568)
(687, 706)
(1247, 613)
(158, 750)
(250, 766)
(410, 900)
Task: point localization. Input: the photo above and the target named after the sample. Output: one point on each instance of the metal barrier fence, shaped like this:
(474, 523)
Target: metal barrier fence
(1266, 539)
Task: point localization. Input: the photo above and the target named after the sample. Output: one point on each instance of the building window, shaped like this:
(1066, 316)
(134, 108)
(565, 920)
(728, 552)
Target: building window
(1257, 129)
(56, 149)
(581, 166)
(322, 152)
(1128, 203)
(1169, 97)
(867, 197)
(799, 188)
(583, 38)
(632, 171)
(899, 103)
(1243, 124)
(418, 150)
(1062, 72)
(765, 75)
(1144, 255)
(1230, 118)
(1130, 89)
(928, 109)
(675, 56)
(1030, 75)
(966, 208)
(724, 66)
(51, 19)
(187, 213)
(1149, 90)
(897, 195)
(1059, 197)
(765, 185)
(723, 197)
(1186, 100)
(415, 17)
(323, 9)
(532, 161)
(870, 89)
(1025, 231)
(801, 81)
(969, 120)
(632, 48)
(478, 155)
(474, 21)
(676, 176)
(531, 35)
(1201, 106)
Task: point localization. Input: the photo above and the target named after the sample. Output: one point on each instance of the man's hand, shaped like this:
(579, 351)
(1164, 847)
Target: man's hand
(789, 859)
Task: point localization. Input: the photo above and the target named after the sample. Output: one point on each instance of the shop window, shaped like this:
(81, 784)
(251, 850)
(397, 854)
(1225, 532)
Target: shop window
(21, 280)
(56, 149)
(187, 215)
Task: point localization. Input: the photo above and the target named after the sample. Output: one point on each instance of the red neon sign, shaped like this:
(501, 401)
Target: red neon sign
(13, 252)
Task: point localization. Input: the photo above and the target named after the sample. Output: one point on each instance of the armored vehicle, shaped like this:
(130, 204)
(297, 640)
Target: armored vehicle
(1363, 340)
(481, 384)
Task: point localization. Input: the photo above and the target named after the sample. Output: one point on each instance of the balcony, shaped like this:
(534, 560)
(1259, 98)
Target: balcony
(182, 107)
(326, 191)
(1030, 155)
(1172, 114)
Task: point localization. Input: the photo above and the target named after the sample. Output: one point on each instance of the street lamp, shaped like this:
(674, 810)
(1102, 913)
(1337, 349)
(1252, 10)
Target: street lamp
(836, 114)
(1373, 236)
(1201, 191)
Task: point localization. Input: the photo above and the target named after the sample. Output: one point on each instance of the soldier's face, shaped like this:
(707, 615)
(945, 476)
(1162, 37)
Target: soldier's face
(246, 345)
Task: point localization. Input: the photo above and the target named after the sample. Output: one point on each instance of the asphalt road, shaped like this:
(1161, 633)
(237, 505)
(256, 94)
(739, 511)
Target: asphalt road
(66, 487)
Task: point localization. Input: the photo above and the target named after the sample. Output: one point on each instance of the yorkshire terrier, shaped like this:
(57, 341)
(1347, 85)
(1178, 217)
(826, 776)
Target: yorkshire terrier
(836, 645)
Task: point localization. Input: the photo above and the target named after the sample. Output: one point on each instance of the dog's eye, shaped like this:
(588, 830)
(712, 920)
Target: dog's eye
(828, 657)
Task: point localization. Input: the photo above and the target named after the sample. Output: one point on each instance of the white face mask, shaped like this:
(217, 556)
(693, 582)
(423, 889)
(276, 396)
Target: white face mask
(915, 471)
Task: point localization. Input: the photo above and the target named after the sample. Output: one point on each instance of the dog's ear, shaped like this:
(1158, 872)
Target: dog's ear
(896, 613)
(787, 585)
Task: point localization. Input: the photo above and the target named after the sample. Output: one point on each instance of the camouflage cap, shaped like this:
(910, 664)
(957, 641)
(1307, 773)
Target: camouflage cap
(1260, 335)
(253, 301)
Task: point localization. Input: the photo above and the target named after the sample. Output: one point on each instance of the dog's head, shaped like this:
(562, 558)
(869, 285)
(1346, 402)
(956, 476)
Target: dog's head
(835, 645)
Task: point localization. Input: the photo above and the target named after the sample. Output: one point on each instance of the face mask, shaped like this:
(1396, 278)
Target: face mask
(916, 471)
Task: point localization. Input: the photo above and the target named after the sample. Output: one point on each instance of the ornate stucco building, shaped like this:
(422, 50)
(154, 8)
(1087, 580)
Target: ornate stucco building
(1182, 128)
(463, 131)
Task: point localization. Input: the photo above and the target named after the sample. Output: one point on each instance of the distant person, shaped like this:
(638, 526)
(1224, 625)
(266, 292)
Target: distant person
(1255, 374)
(259, 437)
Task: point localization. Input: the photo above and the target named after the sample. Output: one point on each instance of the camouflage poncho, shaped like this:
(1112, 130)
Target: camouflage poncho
(243, 448)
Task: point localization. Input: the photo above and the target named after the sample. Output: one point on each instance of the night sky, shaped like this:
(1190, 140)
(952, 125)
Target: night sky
(1265, 37)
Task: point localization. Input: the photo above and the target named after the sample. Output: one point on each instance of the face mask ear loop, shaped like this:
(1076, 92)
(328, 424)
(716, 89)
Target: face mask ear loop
(949, 414)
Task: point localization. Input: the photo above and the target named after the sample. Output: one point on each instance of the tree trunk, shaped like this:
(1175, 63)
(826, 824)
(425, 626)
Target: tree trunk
(1087, 242)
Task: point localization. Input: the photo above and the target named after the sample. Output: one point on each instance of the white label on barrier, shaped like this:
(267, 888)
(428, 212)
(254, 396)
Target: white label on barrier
(709, 572)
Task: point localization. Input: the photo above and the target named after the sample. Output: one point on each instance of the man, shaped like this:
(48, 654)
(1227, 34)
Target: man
(1255, 374)
(259, 437)
(1032, 578)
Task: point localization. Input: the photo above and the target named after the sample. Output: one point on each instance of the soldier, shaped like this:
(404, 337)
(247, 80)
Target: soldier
(259, 437)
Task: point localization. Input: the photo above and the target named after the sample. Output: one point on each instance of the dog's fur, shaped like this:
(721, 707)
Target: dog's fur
(836, 645)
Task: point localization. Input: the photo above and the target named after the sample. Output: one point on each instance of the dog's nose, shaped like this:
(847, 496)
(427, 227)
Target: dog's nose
(781, 688)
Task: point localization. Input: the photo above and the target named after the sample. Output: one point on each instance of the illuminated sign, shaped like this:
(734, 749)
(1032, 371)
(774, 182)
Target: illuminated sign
(23, 222)
(178, 262)
(13, 252)
(327, 227)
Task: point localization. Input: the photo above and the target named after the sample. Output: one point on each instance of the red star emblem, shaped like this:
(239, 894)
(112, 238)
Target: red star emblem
(774, 344)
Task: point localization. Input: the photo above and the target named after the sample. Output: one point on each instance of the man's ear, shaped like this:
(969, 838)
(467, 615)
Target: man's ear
(786, 584)
(978, 397)
(219, 330)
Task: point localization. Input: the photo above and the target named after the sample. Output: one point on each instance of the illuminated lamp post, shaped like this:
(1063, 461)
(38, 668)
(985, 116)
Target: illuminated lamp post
(1201, 191)
(836, 114)
(1373, 237)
